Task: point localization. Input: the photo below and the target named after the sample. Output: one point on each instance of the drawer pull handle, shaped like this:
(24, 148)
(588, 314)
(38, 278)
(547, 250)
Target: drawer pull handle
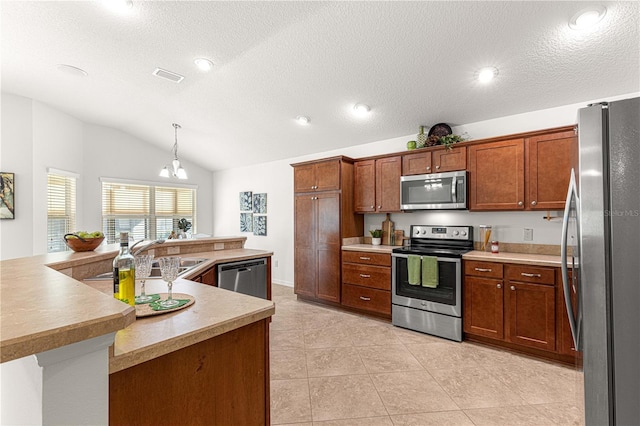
(365, 276)
(483, 269)
(365, 258)
(525, 274)
(366, 299)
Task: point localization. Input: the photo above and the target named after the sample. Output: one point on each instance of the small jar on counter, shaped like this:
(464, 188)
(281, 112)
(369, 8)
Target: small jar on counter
(495, 247)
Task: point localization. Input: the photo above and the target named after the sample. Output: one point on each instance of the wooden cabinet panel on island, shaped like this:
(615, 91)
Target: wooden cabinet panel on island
(321, 220)
(377, 185)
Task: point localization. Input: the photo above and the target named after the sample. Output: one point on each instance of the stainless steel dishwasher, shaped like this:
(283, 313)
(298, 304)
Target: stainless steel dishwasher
(246, 276)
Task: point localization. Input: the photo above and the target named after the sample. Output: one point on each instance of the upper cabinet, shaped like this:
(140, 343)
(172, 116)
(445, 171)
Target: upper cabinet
(549, 161)
(435, 161)
(377, 185)
(319, 176)
(527, 173)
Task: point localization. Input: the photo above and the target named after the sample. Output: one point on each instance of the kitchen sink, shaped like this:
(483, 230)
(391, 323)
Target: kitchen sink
(186, 264)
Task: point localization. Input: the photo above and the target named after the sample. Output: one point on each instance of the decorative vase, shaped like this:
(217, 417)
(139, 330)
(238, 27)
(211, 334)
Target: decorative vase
(376, 241)
(421, 138)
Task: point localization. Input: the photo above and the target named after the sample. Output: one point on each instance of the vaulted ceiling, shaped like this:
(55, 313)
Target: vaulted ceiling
(414, 63)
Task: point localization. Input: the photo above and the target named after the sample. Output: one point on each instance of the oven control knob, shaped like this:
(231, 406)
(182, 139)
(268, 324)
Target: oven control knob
(423, 232)
(463, 233)
(455, 233)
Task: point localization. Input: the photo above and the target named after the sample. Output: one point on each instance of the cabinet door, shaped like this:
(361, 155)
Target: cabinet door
(483, 307)
(496, 175)
(388, 172)
(450, 160)
(417, 164)
(531, 314)
(304, 253)
(364, 191)
(304, 179)
(327, 175)
(328, 246)
(549, 162)
(209, 277)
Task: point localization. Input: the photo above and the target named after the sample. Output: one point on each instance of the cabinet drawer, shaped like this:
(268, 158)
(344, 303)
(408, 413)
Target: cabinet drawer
(530, 274)
(366, 298)
(367, 258)
(367, 276)
(483, 269)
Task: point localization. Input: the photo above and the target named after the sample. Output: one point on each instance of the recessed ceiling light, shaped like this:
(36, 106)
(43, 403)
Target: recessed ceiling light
(70, 69)
(587, 17)
(361, 109)
(303, 120)
(120, 6)
(487, 74)
(203, 64)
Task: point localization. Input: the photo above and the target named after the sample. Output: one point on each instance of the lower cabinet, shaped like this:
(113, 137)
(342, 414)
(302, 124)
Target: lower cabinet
(366, 281)
(515, 304)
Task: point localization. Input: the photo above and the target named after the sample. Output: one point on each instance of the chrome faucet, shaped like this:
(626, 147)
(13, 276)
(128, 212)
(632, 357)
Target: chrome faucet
(146, 247)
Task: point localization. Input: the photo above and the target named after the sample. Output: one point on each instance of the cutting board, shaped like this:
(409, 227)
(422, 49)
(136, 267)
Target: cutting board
(387, 230)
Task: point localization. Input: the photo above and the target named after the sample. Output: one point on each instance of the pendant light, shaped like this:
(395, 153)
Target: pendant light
(176, 168)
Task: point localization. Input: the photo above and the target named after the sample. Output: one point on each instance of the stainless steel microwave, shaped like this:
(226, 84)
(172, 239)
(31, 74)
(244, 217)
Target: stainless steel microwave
(438, 191)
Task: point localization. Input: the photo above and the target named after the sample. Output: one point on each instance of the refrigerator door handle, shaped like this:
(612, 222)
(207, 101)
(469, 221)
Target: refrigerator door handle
(571, 193)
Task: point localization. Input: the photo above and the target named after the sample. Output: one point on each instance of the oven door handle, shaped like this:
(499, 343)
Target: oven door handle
(440, 259)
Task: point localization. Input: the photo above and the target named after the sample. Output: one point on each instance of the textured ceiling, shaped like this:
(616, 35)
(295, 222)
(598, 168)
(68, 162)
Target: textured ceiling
(412, 62)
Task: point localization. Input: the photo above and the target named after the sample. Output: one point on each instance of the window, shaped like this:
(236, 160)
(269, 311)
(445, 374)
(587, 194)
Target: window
(61, 208)
(145, 211)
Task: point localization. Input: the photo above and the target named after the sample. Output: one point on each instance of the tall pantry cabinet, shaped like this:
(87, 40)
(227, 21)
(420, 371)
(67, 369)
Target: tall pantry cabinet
(323, 216)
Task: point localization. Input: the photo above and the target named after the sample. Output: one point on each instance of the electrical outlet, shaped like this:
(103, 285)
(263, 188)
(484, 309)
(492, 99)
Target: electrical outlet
(528, 234)
(218, 246)
(173, 250)
(275, 263)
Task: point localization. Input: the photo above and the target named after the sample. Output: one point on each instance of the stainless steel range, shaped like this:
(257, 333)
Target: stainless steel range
(431, 304)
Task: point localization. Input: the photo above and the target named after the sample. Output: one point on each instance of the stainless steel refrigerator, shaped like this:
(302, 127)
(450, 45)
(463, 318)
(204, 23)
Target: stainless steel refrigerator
(601, 235)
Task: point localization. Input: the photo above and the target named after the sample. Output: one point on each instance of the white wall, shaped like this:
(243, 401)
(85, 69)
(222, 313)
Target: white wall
(36, 136)
(276, 178)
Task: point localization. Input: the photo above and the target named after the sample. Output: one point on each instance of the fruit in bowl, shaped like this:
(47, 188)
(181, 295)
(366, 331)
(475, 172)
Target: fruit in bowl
(84, 241)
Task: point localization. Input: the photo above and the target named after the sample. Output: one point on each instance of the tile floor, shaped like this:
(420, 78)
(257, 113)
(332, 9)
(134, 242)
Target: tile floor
(330, 367)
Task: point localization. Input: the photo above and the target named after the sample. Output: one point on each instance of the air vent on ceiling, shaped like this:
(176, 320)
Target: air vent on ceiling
(176, 78)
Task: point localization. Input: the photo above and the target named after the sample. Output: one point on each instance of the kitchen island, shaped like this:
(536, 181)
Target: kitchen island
(208, 362)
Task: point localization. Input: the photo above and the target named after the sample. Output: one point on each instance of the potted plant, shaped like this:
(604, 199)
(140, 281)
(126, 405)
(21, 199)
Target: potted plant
(183, 225)
(376, 237)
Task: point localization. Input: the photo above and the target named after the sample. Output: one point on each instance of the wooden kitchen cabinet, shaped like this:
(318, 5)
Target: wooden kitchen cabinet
(511, 303)
(483, 299)
(549, 161)
(377, 185)
(321, 220)
(526, 173)
(317, 176)
(366, 282)
(435, 161)
(496, 175)
(530, 302)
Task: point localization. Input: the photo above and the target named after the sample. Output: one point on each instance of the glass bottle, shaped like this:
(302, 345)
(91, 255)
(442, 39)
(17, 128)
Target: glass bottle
(124, 273)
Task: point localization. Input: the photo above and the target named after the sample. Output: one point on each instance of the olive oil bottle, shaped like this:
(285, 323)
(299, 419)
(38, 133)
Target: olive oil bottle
(124, 273)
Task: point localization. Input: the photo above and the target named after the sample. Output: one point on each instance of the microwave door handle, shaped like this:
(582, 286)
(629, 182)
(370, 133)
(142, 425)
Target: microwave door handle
(571, 193)
(454, 196)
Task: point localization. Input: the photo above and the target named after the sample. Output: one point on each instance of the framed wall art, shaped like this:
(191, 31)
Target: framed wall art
(246, 222)
(246, 201)
(260, 226)
(260, 203)
(7, 195)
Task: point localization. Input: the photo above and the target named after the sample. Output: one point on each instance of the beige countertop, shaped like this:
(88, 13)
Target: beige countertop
(42, 309)
(369, 247)
(520, 258)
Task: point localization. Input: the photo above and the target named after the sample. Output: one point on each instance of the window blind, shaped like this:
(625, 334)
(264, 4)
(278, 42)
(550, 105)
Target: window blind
(145, 211)
(61, 210)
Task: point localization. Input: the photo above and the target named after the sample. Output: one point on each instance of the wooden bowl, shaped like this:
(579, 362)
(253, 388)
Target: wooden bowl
(82, 244)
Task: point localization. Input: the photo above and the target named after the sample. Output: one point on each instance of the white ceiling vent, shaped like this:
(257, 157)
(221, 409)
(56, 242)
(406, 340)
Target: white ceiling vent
(168, 75)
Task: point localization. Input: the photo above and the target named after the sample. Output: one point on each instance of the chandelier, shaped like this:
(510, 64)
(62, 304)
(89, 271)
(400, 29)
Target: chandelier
(176, 170)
